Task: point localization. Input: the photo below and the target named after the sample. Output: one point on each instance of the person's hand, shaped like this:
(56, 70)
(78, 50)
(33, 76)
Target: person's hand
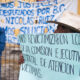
(21, 59)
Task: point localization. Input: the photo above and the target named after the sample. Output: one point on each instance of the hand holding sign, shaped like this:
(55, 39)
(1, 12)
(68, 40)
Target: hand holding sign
(21, 59)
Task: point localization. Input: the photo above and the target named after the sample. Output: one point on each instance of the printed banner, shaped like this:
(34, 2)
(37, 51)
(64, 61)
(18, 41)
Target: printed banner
(50, 57)
(30, 18)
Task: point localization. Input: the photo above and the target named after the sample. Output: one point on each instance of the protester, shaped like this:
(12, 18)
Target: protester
(60, 29)
(2, 44)
(68, 18)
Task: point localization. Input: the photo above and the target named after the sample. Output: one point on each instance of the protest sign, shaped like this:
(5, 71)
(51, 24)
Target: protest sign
(23, 16)
(50, 56)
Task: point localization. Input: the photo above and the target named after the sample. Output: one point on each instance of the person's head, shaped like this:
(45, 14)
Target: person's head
(62, 29)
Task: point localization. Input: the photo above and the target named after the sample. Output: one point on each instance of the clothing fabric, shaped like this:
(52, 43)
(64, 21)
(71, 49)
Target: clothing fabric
(2, 44)
(0, 66)
(2, 40)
